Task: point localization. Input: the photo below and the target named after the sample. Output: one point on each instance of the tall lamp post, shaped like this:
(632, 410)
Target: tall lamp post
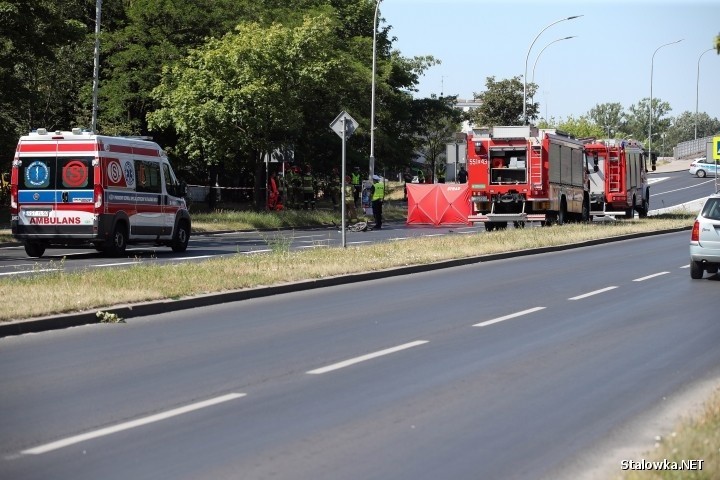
(652, 63)
(541, 51)
(697, 89)
(96, 67)
(371, 169)
(526, 64)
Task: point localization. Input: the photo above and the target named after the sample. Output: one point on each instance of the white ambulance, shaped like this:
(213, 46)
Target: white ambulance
(76, 188)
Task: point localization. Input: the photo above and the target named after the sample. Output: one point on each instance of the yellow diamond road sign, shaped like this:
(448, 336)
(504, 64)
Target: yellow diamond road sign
(716, 148)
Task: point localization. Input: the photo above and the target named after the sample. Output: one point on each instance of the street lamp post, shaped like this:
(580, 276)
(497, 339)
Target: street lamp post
(96, 67)
(697, 89)
(371, 168)
(652, 63)
(526, 64)
(541, 51)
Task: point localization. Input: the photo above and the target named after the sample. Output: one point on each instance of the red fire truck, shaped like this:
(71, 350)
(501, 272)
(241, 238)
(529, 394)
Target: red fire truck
(79, 188)
(522, 173)
(619, 185)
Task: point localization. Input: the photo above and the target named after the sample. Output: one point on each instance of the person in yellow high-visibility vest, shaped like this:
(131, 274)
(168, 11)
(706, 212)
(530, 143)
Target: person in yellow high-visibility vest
(377, 195)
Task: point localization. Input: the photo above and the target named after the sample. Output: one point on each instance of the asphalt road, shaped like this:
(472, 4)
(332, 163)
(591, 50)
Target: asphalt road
(507, 369)
(667, 189)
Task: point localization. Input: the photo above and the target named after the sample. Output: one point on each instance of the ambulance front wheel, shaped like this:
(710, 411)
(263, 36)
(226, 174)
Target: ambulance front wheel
(181, 238)
(34, 249)
(117, 243)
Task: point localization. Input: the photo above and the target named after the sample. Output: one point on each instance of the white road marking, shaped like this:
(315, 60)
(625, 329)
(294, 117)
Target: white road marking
(434, 235)
(652, 180)
(685, 266)
(190, 258)
(590, 294)
(257, 251)
(363, 241)
(48, 447)
(650, 276)
(508, 317)
(369, 356)
(114, 264)
(20, 272)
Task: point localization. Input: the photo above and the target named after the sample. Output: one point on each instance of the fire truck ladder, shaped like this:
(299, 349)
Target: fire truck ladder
(613, 173)
(536, 177)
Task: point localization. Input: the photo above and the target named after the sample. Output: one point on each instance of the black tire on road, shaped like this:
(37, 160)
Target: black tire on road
(696, 270)
(562, 217)
(585, 215)
(34, 249)
(117, 243)
(181, 237)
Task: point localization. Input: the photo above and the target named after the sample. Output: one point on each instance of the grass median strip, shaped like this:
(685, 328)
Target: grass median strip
(61, 292)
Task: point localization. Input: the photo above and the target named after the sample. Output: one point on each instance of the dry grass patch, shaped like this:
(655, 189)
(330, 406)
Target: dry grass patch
(697, 438)
(99, 288)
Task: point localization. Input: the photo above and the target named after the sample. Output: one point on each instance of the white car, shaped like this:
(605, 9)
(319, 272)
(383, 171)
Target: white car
(705, 239)
(702, 167)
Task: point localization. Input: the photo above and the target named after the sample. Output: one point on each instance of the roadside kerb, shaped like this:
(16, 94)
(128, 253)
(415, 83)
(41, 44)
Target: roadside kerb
(125, 311)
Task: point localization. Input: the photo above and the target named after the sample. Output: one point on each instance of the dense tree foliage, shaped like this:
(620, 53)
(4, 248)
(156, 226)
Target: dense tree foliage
(222, 81)
(502, 103)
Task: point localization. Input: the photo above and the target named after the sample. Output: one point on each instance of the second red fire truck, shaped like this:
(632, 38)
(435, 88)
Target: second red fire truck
(619, 184)
(522, 173)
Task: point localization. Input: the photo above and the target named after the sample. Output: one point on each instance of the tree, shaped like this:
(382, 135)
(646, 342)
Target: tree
(37, 39)
(638, 124)
(682, 128)
(238, 97)
(502, 103)
(609, 116)
(582, 127)
(437, 122)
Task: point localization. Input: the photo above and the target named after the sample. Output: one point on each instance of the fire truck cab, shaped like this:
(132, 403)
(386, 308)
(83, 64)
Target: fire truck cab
(76, 188)
(522, 173)
(619, 183)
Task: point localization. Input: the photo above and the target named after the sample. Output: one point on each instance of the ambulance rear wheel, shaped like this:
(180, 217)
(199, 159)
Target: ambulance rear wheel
(181, 238)
(34, 249)
(117, 243)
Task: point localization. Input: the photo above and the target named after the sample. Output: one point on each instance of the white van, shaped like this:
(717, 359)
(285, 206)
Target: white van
(75, 188)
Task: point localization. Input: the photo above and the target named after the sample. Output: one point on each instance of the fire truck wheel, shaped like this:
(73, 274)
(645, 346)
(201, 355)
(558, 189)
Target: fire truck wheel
(562, 214)
(34, 249)
(489, 226)
(630, 212)
(696, 270)
(585, 215)
(519, 224)
(181, 238)
(117, 243)
(643, 211)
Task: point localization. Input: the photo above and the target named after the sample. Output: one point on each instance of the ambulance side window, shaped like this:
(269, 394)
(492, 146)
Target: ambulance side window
(172, 186)
(148, 177)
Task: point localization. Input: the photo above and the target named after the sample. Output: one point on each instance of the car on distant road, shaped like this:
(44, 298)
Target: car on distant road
(702, 167)
(705, 239)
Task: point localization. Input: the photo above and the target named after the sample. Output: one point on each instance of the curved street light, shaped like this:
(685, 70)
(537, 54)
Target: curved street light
(697, 89)
(652, 63)
(526, 64)
(538, 57)
(371, 168)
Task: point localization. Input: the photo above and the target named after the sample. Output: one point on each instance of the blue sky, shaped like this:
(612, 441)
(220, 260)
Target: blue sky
(609, 60)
